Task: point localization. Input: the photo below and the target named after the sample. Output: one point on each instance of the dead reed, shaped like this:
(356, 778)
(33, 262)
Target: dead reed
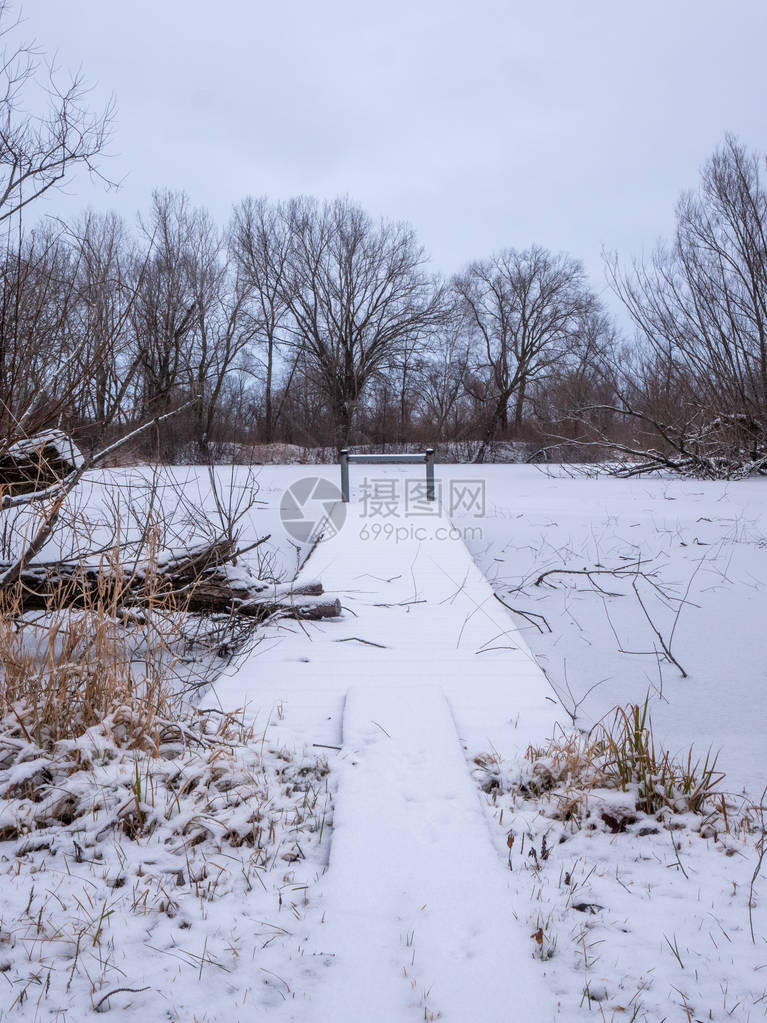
(620, 752)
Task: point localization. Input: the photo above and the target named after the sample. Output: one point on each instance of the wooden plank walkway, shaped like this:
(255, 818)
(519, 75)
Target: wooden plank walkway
(415, 915)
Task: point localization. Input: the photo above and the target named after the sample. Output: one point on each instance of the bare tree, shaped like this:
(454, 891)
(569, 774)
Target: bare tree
(260, 242)
(358, 294)
(573, 399)
(700, 308)
(103, 254)
(524, 309)
(191, 321)
(165, 312)
(224, 334)
(36, 298)
(442, 377)
(39, 150)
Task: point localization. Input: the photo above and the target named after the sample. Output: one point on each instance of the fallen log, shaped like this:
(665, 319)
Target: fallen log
(307, 608)
(37, 463)
(200, 580)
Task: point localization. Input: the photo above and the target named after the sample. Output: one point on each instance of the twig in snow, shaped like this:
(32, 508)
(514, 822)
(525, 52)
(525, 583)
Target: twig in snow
(378, 578)
(527, 615)
(621, 570)
(117, 990)
(661, 640)
(575, 705)
(675, 847)
(358, 639)
(683, 601)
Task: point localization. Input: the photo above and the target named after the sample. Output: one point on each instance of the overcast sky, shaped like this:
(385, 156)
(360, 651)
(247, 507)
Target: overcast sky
(572, 123)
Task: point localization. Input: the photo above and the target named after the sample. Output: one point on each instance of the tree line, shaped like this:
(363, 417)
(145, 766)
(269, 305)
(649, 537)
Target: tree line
(312, 323)
(303, 321)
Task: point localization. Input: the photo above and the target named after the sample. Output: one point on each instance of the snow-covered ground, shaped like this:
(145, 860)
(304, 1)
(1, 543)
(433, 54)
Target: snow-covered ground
(366, 733)
(162, 887)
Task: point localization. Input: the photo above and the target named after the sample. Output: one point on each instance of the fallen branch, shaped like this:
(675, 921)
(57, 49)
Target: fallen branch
(666, 646)
(527, 615)
(616, 573)
(195, 580)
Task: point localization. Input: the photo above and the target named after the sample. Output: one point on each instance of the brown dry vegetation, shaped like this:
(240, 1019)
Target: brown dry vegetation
(619, 753)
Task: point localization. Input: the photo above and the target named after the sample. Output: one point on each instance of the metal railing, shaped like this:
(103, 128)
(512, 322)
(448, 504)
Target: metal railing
(426, 456)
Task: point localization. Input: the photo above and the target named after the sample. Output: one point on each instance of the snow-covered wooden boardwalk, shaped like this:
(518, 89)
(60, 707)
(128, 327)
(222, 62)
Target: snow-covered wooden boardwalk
(414, 915)
(417, 909)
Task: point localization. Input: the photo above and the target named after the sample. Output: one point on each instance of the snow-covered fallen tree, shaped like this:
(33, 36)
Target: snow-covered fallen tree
(123, 590)
(201, 579)
(697, 445)
(33, 464)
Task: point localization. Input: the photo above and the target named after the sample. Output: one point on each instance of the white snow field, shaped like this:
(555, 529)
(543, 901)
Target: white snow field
(704, 542)
(425, 883)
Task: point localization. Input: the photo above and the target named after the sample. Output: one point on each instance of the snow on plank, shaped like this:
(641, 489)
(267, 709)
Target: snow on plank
(415, 610)
(419, 919)
(416, 914)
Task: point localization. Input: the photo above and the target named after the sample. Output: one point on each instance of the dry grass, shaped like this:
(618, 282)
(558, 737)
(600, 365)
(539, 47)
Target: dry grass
(121, 800)
(105, 764)
(628, 758)
(126, 644)
(66, 668)
(204, 778)
(97, 831)
(105, 626)
(619, 753)
(62, 678)
(624, 849)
